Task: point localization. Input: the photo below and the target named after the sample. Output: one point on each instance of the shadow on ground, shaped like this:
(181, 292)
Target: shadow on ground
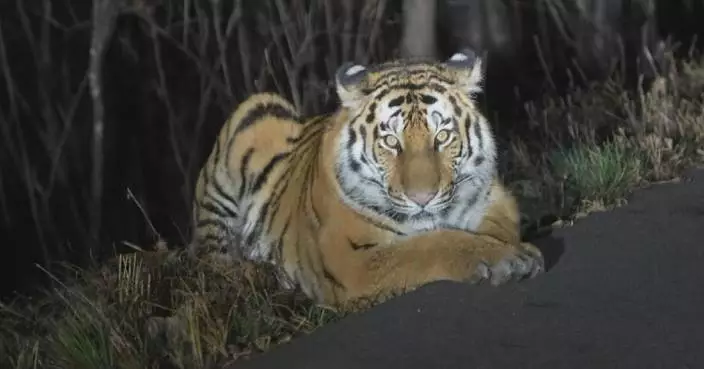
(552, 248)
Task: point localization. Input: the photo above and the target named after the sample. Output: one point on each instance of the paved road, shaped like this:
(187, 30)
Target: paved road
(627, 291)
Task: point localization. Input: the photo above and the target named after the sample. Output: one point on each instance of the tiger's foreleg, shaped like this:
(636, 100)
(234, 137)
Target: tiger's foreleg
(445, 255)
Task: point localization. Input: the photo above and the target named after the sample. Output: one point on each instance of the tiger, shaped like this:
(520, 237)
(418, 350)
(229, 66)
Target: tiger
(397, 188)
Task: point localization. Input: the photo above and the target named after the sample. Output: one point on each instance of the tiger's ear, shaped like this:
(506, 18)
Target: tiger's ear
(349, 80)
(465, 68)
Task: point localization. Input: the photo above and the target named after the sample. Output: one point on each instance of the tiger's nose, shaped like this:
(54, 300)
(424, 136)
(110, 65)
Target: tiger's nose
(421, 198)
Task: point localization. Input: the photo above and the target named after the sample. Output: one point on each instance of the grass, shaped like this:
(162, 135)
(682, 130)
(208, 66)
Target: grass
(600, 175)
(151, 309)
(600, 143)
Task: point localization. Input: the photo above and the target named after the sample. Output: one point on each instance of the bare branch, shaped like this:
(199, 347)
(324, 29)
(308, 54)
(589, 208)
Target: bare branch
(104, 17)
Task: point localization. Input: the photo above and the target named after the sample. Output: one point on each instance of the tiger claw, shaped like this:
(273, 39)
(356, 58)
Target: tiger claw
(526, 261)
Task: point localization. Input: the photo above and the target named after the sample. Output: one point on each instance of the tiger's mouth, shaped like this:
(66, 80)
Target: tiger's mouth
(421, 214)
(430, 210)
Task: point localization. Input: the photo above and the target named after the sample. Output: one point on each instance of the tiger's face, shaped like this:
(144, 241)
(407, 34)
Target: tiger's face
(414, 142)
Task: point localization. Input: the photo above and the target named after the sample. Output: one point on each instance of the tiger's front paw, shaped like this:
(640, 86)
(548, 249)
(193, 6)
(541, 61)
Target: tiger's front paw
(522, 261)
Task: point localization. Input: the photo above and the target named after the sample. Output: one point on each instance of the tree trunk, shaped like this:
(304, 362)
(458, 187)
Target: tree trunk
(105, 14)
(419, 29)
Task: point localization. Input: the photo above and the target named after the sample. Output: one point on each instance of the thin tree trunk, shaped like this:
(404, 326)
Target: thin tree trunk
(104, 16)
(419, 36)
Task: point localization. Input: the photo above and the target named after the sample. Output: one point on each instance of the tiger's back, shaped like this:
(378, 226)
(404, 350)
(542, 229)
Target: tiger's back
(242, 203)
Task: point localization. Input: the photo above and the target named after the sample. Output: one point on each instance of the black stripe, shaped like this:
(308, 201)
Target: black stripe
(479, 160)
(355, 166)
(455, 107)
(412, 87)
(229, 150)
(364, 160)
(315, 212)
(428, 99)
(331, 278)
(382, 226)
(277, 249)
(272, 214)
(222, 192)
(282, 184)
(356, 117)
(469, 205)
(353, 137)
(309, 134)
(363, 134)
(396, 216)
(279, 191)
(262, 177)
(468, 126)
(396, 102)
(363, 246)
(222, 208)
(375, 181)
(409, 71)
(303, 136)
(376, 133)
(211, 164)
(478, 133)
(315, 120)
(218, 209)
(256, 233)
(312, 172)
(260, 111)
(370, 117)
(302, 152)
(280, 244)
(244, 167)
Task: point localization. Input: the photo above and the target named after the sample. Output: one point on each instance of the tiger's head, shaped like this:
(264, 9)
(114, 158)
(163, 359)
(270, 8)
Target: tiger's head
(413, 141)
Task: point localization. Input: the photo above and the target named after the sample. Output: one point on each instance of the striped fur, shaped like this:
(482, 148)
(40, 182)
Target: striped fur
(395, 189)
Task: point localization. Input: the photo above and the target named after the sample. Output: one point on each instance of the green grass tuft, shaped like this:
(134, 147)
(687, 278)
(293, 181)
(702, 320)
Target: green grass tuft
(602, 174)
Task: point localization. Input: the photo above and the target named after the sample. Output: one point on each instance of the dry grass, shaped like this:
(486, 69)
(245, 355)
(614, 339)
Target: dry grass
(156, 309)
(599, 143)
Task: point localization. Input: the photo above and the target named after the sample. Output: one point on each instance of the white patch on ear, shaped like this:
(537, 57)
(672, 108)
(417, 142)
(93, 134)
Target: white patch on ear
(469, 73)
(459, 57)
(351, 71)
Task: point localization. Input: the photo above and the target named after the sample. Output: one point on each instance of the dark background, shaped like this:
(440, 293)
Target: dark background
(166, 94)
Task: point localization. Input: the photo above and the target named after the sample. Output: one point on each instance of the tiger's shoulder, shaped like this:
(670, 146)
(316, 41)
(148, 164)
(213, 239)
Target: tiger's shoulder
(250, 158)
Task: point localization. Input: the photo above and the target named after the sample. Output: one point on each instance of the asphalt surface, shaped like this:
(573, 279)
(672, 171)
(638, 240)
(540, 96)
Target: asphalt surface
(626, 290)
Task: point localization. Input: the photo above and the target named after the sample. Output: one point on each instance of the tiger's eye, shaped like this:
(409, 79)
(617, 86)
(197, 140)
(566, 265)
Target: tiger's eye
(390, 141)
(442, 136)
